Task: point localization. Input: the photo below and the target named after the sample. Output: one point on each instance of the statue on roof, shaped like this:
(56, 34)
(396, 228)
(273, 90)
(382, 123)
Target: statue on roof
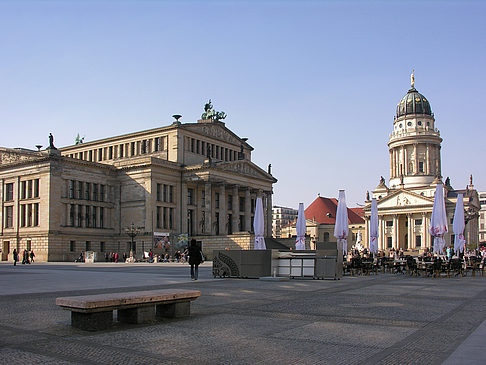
(51, 141)
(79, 140)
(412, 78)
(470, 180)
(211, 114)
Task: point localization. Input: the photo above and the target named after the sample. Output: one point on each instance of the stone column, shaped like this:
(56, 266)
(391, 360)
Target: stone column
(425, 223)
(207, 207)
(76, 208)
(268, 219)
(222, 211)
(366, 237)
(427, 159)
(235, 209)
(415, 171)
(247, 210)
(396, 232)
(183, 209)
(391, 164)
(410, 231)
(381, 235)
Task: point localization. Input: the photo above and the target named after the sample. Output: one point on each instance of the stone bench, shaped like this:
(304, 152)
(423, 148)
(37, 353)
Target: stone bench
(95, 312)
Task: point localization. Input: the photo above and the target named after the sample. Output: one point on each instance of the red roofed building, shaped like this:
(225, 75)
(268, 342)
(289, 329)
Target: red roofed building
(321, 217)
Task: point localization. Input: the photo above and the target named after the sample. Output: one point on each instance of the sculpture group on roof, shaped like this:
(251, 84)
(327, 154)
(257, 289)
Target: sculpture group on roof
(211, 114)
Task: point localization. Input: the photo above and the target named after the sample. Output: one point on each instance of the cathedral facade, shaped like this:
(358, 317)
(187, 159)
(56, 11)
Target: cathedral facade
(182, 180)
(405, 203)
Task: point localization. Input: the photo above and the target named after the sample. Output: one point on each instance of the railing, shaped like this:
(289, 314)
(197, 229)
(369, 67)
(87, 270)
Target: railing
(399, 134)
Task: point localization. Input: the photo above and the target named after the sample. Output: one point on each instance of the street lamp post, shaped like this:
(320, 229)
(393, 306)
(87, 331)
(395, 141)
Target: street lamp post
(132, 232)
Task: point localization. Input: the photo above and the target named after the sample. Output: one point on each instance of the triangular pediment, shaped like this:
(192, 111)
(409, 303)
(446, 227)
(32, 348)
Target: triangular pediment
(245, 167)
(215, 130)
(404, 198)
(10, 156)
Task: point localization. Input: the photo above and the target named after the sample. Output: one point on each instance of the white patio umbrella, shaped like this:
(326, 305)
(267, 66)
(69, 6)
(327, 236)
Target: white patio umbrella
(259, 226)
(374, 227)
(438, 221)
(341, 228)
(300, 228)
(458, 225)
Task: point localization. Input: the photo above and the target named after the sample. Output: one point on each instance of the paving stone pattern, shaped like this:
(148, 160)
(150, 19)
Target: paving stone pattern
(382, 319)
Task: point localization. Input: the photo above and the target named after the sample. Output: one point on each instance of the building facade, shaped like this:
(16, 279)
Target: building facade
(482, 217)
(186, 178)
(405, 204)
(281, 217)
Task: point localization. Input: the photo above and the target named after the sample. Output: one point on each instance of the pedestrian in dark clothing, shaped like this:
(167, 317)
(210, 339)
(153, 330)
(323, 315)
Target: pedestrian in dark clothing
(32, 256)
(195, 258)
(15, 257)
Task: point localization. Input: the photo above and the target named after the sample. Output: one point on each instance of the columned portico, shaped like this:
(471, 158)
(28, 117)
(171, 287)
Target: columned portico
(235, 209)
(223, 214)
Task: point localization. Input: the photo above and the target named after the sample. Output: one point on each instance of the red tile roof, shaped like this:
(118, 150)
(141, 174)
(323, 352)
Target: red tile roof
(323, 211)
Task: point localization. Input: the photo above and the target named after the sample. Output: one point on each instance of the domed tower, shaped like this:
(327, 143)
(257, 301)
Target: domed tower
(414, 143)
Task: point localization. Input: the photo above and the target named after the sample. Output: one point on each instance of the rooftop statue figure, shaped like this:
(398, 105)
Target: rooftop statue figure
(51, 141)
(211, 114)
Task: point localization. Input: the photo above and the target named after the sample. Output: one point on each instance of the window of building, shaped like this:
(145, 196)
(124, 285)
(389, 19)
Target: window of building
(102, 193)
(419, 122)
(71, 189)
(100, 154)
(190, 196)
(144, 146)
(9, 192)
(159, 209)
(165, 193)
(326, 237)
(253, 206)
(389, 223)
(23, 189)
(418, 241)
(71, 246)
(156, 144)
(94, 222)
(242, 203)
(88, 245)
(121, 150)
(8, 217)
(418, 222)
(203, 197)
(88, 216)
(132, 149)
(102, 247)
(36, 214)
(36, 188)
(29, 189)
(29, 245)
(230, 202)
(171, 194)
(87, 191)
(242, 223)
(192, 145)
(110, 153)
(22, 215)
(95, 192)
(29, 215)
(216, 203)
(102, 210)
(171, 218)
(165, 218)
(80, 216)
(421, 166)
(159, 192)
(389, 242)
(198, 146)
(71, 215)
(80, 190)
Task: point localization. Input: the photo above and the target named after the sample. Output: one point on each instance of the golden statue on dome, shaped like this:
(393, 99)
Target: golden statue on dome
(412, 78)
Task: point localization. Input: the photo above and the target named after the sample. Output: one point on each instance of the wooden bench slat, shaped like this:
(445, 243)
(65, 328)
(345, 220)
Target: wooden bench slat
(98, 301)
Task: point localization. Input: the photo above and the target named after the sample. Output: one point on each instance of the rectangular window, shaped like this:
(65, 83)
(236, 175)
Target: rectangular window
(230, 202)
(29, 215)
(121, 150)
(171, 218)
(9, 217)
(164, 222)
(242, 223)
(192, 145)
(88, 216)
(102, 193)
(22, 215)
(389, 242)
(418, 222)
(110, 153)
(421, 167)
(36, 214)
(242, 204)
(102, 247)
(190, 196)
(88, 245)
(171, 194)
(71, 215)
(87, 191)
(165, 193)
(203, 197)
(23, 189)
(80, 190)
(230, 226)
(94, 221)
(389, 223)
(95, 192)
(91, 155)
(80, 216)
(156, 144)
(29, 245)
(253, 206)
(100, 154)
(71, 246)
(132, 147)
(29, 189)
(159, 217)
(71, 189)
(144, 146)
(198, 148)
(418, 241)
(9, 192)
(216, 200)
(102, 217)
(159, 192)
(36, 188)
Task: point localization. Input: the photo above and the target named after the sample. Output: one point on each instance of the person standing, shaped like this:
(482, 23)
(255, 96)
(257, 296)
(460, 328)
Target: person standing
(15, 257)
(195, 258)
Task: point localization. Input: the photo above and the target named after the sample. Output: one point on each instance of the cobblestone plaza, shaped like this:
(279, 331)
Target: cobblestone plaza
(382, 319)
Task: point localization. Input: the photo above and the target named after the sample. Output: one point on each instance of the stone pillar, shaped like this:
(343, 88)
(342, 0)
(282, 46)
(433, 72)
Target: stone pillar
(410, 231)
(268, 218)
(76, 208)
(208, 224)
(235, 209)
(396, 232)
(247, 210)
(415, 155)
(366, 237)
(427, 159)
(425, 233)
(223, 214)
(391, 164)
(183, 212)
(381, 235)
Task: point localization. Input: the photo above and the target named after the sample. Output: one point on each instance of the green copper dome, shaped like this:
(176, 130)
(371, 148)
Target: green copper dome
(413, 103)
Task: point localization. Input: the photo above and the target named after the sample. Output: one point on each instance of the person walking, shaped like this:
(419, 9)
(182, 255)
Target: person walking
(32, 255)
(15, 257)
(195, 258)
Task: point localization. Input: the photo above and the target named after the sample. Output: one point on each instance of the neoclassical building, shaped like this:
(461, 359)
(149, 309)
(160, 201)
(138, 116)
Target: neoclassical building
(405, 204)
(185, 178)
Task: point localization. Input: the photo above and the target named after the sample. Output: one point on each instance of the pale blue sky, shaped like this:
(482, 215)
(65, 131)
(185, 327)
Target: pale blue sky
(313, 85)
